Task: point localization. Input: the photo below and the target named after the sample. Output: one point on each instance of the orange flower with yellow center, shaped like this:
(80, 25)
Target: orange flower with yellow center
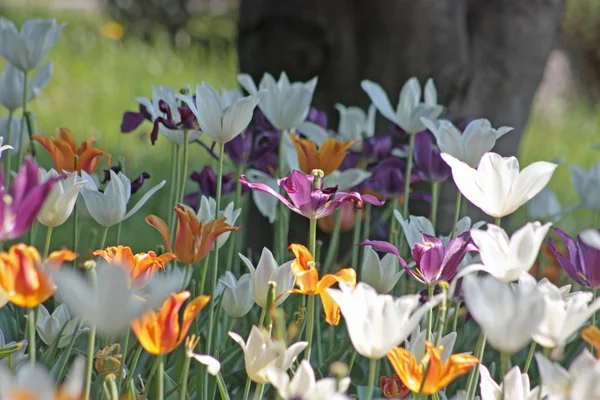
(23, 277)
(591, 335)
(193, 239)
(140, 267)
(439, 374)
(63, 150)
(328, 158)
(161, 333)
(307, 280)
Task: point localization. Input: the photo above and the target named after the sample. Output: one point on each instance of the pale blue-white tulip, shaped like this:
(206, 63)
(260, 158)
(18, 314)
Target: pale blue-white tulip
(587, 185)
(110, 208)
(18, 357)
(355, 124)
(59, 204)
(416, 343)
(346, 179)
(381, 274)
(579, 382)
(26, 50)
(469, 146)
(285, 104)
(238, 296)
(13, 131)
(415, 226)
(266, 204)
(206, 213)
(497, 186)
(218, 118)
(409, 111)
(509, 314)
(50, 326)
(12, 85)
(4, 147)
(545, 206)
(514, 386)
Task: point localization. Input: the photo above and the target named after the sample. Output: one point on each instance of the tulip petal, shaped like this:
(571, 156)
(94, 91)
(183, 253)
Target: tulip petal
(162, 228)
(379, 98)
(143, 200)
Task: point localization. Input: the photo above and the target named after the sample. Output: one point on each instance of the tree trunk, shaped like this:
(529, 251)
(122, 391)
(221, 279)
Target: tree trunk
(485, 56)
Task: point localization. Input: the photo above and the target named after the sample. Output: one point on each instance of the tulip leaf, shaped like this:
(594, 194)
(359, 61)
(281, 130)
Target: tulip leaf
(8, 350)
(49, 354)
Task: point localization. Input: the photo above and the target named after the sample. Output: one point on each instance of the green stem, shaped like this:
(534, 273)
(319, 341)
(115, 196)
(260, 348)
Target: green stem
(409, 165)
(103, 239)
(136, 358)
(356, 239)
(332, 251)
(23, 121)
(123, 360)
(236, 205)
(186, 276)
(430, 291)
(204, 273)
(435, 200)
(312, 237)
(31, 322)
(47, 243)
(114, 391)
(258, 392)
(456, 213)
(8, 155)
(160, 388)
(372, 370)
(310, 323)
(474, 374)
(351, 362)
(150, 378)
(91, 337)
(173, 184)
(119, 227)
(222, 387)
(529, 356)
(455, 319)
(442, 314)
(75, 229)
(184, 167)
(393, 222)
(504, 363)
(247, 388)
(280, 231)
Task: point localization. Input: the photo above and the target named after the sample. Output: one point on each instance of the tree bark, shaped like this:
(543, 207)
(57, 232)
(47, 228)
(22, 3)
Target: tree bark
(485, 56)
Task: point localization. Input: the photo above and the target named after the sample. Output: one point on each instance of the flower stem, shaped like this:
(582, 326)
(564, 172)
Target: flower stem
(334, 244)
(393, 223)
(22, 133)
(372, 371)
(409, 165)
(474, 374)
(160, 388)
(75, 230)
(247, 388)
(47, 243)
(435, 199)
(204, 273)
(103, 239)
(119, 227)
(504, 363)
(92, 335)
(123, 360)
(430, 291)
(133, 366)
(184, 166)
(356, 239)
(456, 213)
(150, 378)
(222, 387)
(8, 156)
(280, 231)
(455, 319)
(367, 229)
(236, 205)
(173, 184)
(186, 276)
(258, 392)
(529, 356)
(310, 323)
(32, 311)
(442, 313)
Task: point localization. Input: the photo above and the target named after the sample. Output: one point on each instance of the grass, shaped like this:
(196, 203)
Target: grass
(96, 78)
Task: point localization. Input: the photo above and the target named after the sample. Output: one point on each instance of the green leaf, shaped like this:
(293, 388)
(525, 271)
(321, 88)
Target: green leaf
(8, 350)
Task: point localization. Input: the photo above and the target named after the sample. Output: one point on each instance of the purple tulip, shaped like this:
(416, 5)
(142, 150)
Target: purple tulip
(317, 117)
(376, 148)
(435, 262)
(430, 165)
(136, 184)
(132, 119)
(21, 203)
(307, 201)
(388, 177)
(247, 149)
(582, 263)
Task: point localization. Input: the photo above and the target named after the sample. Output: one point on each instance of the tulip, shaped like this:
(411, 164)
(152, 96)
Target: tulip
(307, 280)
(439, 374)
(587, 185)
(307, 201)
(161, 333)
(388, 178)
(508, 259)
(221, 121)
(382, 275)
(12, 84)
(66, 155)
(376, 148)
(355, 124)
(207, 183)
(49, 326)
(206, 213)
(18, 357)
(261, 353)
(346, 179)
(286, 105)
(213, 366)
(393, 388)
(15, 128)
(581, 263)
(193, 239)
(328, 158)
(248, 149)
(428, 161)
(304, 384)
(265, 201)
(108, 208)
(409, 111)
(21, 203)
(267, 270)
(27, 50)
(238, 297)
(139, 267)
(378, 323)
(545, 206)
(59, 204)
(515, 386)
(508, 314)
(25, 279)
(416, 343)
(469, 146)
(496, 186)
(579, 382)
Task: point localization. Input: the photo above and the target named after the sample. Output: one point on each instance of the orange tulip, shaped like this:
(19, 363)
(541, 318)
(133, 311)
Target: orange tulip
(193, 239)
(439, 374)
(328, 158)
(307, 280)
(23, 276)
(63, 151)
(591, 335)
(140, 267)
(160, 333)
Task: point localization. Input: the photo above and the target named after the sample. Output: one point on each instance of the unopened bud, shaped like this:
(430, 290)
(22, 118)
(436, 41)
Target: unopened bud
(270, 302)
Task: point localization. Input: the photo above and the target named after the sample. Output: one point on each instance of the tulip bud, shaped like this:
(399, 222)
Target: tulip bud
(270, 301)
(108, 360)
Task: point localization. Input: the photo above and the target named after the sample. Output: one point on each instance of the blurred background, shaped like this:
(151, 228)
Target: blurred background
(114, 50)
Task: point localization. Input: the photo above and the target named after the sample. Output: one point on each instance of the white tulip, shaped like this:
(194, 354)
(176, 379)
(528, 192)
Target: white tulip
(206, 213)
(285, 104)
(591, 237)
(469, 146)
(267, 270)
(49, 326)
(508, 314)
(346, 179)
(378, 323)
(27, 50)
(545, 206)
(496, 186)
(238, 295)
(382, 275)
(415, 226)
(409, 111)
(59, 204)
(515, 386)
(266, 204)
(304, 384)
(416, 343)
(587, 185)
(110, 208)
(220, 121)
(169, 97)
(12, 85)
(261, 353)
(31, 379)
(15, 129)
(509, 258)
(579, 382)
(355, 124)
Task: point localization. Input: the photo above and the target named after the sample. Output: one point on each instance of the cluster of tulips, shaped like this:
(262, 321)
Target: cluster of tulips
(105, 322)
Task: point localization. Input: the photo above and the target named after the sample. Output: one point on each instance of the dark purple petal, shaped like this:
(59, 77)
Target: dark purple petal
(207, 182)
(428, 256)
(192, 200)
(137, 183)
(590, 263)
(25, 211)
(350, 161)
(428, 161)
(569, 267)
(131, 120)
(239, 148)
(456, 251)
(570, 245)
(187, 118)
(388, 177)
(317, 117)
(27, 178)
(386, 247)
(376, 148)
